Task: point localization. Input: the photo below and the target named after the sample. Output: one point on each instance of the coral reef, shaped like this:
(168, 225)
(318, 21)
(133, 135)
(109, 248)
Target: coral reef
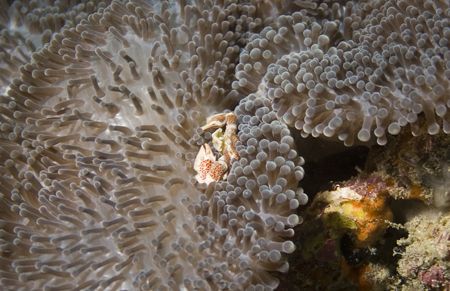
(383, 229)
(358, 208)
(425, 261)
(420, 164)
(339, 233)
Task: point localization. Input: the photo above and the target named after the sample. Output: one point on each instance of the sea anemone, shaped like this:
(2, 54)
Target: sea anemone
(371, 68)
(98, 138)
(26, 26)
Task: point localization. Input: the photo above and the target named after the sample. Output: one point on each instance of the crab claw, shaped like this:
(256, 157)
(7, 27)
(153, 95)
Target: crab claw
(207, 168)
(205, 153)
(215, 121)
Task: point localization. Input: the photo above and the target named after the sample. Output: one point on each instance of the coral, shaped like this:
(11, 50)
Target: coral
(374, 277)
(426, 258)
(385, 228)
(346, 241)
(419, 165)
(340, 233)
(358, 207)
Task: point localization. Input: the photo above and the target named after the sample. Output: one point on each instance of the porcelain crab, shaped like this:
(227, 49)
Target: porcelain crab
(213, 167)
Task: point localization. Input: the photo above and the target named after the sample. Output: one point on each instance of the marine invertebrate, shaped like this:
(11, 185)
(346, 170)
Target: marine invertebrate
(224, 143)
(100, 128)
(27, 26)
(98, 140)
(373, 69)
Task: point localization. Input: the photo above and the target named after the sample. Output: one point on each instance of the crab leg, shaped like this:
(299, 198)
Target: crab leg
(215, 121)
(230, 136)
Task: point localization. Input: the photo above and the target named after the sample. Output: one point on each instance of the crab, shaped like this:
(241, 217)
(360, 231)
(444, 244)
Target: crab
(208, 166)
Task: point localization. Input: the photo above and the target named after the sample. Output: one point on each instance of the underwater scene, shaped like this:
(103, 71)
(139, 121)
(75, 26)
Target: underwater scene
(224, 145)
